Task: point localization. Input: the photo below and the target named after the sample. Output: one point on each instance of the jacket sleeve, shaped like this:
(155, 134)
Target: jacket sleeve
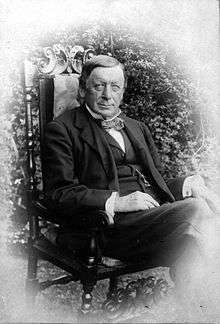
(62, 188)
(175, 185)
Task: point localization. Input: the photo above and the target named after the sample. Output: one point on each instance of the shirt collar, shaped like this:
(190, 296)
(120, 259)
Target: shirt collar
(98, 116)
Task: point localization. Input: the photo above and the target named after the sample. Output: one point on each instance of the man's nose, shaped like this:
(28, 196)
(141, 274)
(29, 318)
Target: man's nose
(107, 93)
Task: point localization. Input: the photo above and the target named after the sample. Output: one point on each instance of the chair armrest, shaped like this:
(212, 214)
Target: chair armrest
(91, 219)
(92, 222)
(94, 219)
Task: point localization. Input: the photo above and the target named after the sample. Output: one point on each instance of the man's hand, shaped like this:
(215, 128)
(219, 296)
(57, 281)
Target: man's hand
(135, 201)
(194, 186)
(198, 189)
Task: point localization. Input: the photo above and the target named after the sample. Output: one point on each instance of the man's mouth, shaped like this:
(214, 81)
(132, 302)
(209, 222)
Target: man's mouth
(104, 105)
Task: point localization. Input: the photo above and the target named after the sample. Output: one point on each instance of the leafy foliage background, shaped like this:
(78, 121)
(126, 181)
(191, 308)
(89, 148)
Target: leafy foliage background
(159, 93)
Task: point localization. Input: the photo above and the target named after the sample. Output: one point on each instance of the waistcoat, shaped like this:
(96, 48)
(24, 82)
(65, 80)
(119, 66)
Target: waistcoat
(129, 170)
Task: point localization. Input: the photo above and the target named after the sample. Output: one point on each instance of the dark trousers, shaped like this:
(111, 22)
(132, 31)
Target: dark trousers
(161, 235)
(174, 235)
(158, 233)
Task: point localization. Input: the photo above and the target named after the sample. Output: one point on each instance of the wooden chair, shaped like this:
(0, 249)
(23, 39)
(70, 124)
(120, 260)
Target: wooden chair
(89, 268)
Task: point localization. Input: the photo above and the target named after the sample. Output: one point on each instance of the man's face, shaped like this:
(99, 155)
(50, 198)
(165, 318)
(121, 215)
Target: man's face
(104, 90)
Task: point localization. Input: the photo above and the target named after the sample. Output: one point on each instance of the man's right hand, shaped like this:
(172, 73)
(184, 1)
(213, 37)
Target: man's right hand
(135, 201)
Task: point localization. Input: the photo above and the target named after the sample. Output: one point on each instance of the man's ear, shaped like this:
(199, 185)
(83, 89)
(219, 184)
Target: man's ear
(122, 95)
(82, 92)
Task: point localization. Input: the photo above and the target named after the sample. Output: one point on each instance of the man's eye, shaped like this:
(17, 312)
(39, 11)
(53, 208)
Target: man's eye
(115, 87)
(99, 86)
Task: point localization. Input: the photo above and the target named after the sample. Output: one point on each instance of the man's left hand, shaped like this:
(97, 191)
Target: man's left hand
(195, 187)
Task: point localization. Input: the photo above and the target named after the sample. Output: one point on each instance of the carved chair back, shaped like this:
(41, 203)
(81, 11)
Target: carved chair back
(55, 76)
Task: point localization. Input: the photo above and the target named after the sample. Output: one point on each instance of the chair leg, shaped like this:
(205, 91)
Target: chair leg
(32, 285)
(113, 284)
(86, 306)
(86, 311)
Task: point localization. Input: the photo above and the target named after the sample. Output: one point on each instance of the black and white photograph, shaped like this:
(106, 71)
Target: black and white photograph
(110, 161)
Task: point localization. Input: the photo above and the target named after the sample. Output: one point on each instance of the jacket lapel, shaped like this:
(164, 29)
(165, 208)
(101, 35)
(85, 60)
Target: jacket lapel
(93, 136)
(112, 142)
(143, 153)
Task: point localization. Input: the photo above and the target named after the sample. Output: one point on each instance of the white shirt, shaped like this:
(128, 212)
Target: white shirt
(113, 132)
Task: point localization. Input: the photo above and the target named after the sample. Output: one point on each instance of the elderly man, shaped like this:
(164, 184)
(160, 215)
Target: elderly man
(97, 158)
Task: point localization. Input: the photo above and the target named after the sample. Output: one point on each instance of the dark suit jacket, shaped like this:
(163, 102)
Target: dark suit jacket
(78, 167)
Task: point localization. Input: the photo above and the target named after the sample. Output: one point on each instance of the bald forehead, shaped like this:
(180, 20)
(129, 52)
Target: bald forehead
(107, 74)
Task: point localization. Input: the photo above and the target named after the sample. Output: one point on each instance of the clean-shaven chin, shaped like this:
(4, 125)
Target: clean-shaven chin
(108, 111)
